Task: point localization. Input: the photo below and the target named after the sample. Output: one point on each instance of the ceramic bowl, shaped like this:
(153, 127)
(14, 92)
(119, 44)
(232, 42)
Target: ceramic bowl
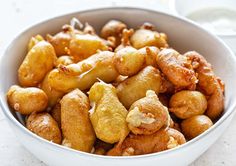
(183, 35)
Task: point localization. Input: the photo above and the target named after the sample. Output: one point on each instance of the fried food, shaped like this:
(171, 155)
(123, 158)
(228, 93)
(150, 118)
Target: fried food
(85, 73)
(121, 69)
(166, 86)
(209, 84)
(34, 40)
(125, 39)
(64, 60)
(61, 40)
(185, 104)
(135, 87)
(194, 126)
(44, 126)
(76, 127)
(53, 95)
(150, 54)
(146, 36)
(107, 114)
(177, 68)
(38, 62)
(27, 100)
(147, 115)
(83, 46)
(113, 28)
(144, 144)
(128, 61)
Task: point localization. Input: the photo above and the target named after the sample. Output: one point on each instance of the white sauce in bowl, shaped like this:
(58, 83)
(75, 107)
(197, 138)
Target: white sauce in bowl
(221, 21)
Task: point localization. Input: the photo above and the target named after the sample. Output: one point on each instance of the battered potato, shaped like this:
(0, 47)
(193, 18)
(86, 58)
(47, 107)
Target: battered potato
(61, 40)
(83, 46)
(113, 28)
(27, 100)
(166, 86)
(44, 126)
(177, 68)
(135, 87)
(64, 60)
(76, 127)
(107, 114)
(128, 61)
(211, 85)
(53, 95)
(147, 115)
(194, 126)
(186, 104)
(34, 40)
(39, 60)
(166, 92)
(145, 36)
(144, 144)
(84, 74)
(118, 80)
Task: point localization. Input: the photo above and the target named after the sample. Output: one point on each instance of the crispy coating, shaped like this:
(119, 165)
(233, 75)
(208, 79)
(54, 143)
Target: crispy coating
(209, 84)
(53, 95)
(85, 45)
(166, 86)
(118, 80)
(107, 114)
(177, 68)
(34, 40)
(128, 61)
(147, 115)
(85, 73)
(135, 87)
(125, 39)
(61, 40)
(44, 126)
(144, 144)
(113, 28)
(185, 104)
(194, 126)
(150, 54)
(38, 61)
(64, 60)
(76, 127)
(27, 100)
(146, 36)
(56, 113)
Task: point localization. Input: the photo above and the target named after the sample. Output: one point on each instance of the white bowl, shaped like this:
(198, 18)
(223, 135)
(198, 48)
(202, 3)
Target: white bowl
(183, 36)
(183, 8)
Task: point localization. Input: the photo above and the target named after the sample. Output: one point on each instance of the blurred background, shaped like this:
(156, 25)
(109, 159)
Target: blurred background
(17, 15)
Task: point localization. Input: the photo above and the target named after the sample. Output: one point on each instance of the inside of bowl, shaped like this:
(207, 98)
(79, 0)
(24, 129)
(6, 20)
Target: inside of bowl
(182, 35)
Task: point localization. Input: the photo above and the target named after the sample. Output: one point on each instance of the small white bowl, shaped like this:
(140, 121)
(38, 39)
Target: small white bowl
(183, 8)
(183, 36)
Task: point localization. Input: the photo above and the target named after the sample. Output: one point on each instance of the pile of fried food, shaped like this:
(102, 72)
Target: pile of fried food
(125, 92)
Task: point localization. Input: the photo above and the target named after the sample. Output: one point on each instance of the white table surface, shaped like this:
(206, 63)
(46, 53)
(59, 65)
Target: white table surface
(16, 15)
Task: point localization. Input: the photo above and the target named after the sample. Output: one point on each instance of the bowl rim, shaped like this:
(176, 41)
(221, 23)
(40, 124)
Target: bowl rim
(21, 127)
(175, 11)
